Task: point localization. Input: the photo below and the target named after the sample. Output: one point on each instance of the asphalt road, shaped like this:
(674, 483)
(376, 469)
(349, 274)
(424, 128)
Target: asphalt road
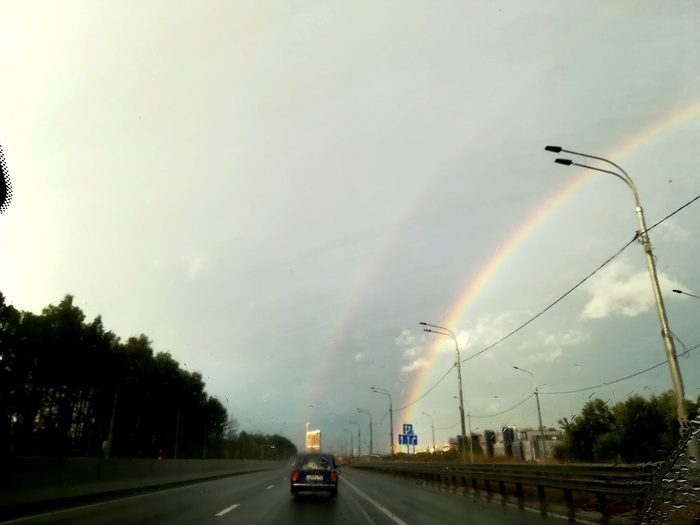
(265, 498)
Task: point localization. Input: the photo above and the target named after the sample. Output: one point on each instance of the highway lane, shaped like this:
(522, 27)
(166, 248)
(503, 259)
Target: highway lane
(264, 498)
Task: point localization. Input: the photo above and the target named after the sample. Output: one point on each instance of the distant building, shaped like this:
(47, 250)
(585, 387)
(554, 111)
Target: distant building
(533, 448)
(509, 440)
(489, 442)
(313, 439)
(521, 443)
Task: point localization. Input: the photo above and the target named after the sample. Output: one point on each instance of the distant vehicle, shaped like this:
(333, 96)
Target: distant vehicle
(315, 472)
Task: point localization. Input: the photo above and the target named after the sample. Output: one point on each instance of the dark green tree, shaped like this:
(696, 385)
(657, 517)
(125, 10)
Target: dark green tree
(69, 387)
(583, 434)
(634, 431)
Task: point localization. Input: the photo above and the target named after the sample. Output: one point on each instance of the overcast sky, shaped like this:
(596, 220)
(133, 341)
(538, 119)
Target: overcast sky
(278, 192)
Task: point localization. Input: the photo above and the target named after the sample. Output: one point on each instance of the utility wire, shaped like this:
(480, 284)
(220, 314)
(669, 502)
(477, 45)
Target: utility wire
(447, 427)
(637, 235)
(427, 392)
(491, 415)
(506, 410)
(691, 201)
(541, 312)
(607, 383)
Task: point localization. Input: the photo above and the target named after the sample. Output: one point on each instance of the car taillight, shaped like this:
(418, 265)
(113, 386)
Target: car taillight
(334, 477)
(295, 475)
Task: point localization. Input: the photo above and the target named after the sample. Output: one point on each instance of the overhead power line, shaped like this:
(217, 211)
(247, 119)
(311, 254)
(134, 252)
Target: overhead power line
(560, 298)
(608, 383)
(691, 201)
(495, 414)
(607, 261)
(491, 415)
(506, 410)
(427, 392)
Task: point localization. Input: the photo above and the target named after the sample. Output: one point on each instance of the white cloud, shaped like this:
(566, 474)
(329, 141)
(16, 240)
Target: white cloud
(550, 346)
(421, 362)
(418, 350)
(407, 338)
(673, 232)
(493, 407)
(412, 352)
(196, 264)
(573, 338)
(545, 357)
(489, 330)
(620, 289)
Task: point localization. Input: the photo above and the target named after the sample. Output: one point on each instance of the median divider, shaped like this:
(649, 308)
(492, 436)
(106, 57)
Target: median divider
(28, 481)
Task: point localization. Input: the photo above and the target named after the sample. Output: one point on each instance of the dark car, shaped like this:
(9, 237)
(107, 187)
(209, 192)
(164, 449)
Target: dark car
(315, 472)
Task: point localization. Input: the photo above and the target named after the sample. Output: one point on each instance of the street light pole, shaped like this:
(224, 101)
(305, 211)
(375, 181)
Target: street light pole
(686, 293)
(539, 411)
(646, 243)
(352, 444)
(371, 438)
(359, 438)
(391, 418)
(262, 450)
(110, 436)
(451, 334)
(432, 425)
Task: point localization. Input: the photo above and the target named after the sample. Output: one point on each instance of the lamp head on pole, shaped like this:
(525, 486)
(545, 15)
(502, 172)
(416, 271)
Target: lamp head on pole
(553, 149)
(565, 162)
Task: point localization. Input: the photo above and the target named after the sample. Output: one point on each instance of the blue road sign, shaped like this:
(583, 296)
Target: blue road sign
(407, 428)
(408, 439)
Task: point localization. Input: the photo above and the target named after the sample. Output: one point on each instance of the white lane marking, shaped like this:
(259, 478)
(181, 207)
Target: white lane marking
(118, 500)
(365, 514)
(268, 488)
(383, 509)
(228, 509)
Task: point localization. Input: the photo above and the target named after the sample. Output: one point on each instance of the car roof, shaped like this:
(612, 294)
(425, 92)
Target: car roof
(304, 455)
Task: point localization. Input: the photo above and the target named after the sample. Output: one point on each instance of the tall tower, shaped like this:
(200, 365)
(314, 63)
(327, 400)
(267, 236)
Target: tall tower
(313, 439)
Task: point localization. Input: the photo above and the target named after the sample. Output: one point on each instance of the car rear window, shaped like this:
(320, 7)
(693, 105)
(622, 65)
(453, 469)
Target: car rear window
(315, 462)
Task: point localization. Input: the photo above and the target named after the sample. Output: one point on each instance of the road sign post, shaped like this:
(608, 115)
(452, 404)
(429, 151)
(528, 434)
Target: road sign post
(408, 438)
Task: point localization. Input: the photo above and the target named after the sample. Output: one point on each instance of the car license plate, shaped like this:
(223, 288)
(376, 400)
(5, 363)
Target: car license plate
(314, 477)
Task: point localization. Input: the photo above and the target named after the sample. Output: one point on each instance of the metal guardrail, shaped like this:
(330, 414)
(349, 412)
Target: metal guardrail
(628, 482)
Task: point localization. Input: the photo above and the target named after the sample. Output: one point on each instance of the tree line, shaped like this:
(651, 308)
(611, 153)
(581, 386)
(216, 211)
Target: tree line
(636, 430)
(70, 387)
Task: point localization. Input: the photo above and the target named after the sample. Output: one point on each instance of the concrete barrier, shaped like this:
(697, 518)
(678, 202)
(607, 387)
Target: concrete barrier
(24, 481)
